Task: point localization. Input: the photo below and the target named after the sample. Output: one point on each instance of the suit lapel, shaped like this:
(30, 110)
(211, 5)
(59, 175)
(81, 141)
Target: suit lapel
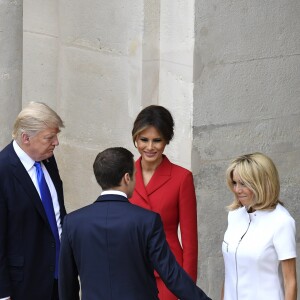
(25, 181)
(52, 169)
(161, 175)
(140, 187)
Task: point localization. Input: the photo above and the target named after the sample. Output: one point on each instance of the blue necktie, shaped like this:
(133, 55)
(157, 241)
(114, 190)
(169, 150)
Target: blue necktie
(48, 206)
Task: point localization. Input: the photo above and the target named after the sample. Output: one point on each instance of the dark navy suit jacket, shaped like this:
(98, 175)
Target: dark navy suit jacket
(27, 245)
(114, 247)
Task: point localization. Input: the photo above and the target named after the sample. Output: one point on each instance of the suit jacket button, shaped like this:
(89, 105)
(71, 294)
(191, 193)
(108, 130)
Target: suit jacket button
(53, 245)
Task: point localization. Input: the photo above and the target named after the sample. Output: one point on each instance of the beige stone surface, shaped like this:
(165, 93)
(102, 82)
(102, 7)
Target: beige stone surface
(11, 32)
(229, 71)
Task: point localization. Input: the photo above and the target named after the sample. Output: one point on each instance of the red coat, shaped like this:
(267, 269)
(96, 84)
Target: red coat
(171, 193)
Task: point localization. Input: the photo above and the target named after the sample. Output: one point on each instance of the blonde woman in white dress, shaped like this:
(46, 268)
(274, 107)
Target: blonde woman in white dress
(259, 246)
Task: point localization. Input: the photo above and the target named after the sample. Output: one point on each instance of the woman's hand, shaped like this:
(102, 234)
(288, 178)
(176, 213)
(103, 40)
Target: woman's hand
(222, 291)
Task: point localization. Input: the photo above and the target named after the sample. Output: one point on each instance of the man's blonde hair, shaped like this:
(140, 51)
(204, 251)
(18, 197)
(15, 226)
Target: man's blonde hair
(36, 116)
(258, 172)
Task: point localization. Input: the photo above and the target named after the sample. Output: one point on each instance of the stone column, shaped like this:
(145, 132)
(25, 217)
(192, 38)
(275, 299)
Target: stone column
(151, 53)
(99, 86)
(40, 51)
(11, 21)
(176, 74)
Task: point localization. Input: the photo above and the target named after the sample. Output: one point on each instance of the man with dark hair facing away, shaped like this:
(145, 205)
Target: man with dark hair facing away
(114, 246)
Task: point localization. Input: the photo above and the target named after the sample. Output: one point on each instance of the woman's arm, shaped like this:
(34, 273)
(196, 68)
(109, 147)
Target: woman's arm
(222, 291)
(188, 225)
(289, 278)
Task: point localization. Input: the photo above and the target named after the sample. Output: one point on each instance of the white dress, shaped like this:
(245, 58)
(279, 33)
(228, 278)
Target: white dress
(253, 246)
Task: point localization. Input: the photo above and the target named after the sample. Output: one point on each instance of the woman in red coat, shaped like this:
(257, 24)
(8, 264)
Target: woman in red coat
(165, 188)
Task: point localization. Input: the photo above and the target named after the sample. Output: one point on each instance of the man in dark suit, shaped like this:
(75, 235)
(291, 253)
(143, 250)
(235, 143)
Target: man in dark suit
(29, 242)
(114, 246)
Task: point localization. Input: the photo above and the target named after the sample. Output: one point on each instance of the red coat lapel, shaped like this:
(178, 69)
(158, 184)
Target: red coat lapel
(159, 178)
(140, 187)
(161, 175)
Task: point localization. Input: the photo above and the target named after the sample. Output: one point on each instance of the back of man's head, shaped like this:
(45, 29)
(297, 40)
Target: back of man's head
(111, 165)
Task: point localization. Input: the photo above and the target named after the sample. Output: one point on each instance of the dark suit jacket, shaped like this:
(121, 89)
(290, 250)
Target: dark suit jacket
(27, 245)
(115, 246)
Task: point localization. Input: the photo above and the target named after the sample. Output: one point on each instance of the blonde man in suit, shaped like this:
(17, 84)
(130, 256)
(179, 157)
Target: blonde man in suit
(29, 238)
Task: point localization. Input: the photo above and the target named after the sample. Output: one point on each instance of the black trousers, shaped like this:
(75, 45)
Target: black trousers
(55, 290)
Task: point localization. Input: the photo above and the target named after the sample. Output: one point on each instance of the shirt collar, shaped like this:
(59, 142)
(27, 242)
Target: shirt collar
(26, 160)
(113, 192)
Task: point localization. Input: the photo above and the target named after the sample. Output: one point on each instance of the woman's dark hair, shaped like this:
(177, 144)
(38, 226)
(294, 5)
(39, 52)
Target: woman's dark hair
(156, 116)
(111, 165)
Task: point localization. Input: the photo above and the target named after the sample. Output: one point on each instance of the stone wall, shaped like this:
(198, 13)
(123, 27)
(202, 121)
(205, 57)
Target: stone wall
(246, 99)
(85, 59)
(10, 66)
(228, 71)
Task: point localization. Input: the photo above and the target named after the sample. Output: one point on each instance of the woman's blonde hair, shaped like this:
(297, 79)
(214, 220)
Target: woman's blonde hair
(36, 116)
(258, 172)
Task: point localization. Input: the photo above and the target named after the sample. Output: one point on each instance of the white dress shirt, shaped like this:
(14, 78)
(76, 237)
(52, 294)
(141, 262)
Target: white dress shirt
(114, 192)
